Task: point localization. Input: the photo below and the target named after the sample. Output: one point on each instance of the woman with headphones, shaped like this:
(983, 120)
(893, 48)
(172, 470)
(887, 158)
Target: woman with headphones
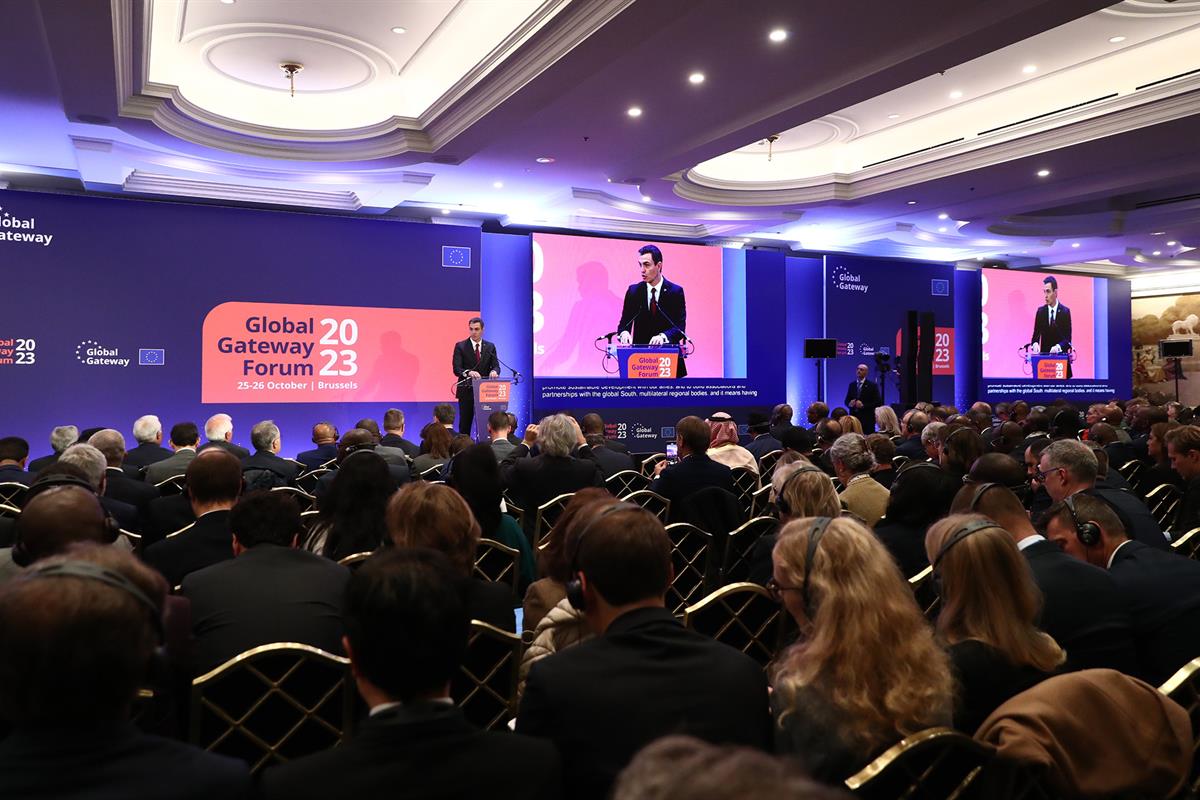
(866, 671)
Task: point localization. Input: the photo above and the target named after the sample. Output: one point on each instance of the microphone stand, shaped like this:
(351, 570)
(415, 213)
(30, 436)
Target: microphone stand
(516, 375)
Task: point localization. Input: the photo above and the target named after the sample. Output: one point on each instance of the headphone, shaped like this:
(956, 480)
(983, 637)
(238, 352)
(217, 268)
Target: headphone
(575, 586)
(980, 490)
(112, 528)
(814, 539)
(974, 526)
(1087, 532)
(94, 572)
(780, 497)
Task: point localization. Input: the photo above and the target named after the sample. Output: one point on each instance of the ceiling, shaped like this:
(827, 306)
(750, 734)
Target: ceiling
(1031, 133)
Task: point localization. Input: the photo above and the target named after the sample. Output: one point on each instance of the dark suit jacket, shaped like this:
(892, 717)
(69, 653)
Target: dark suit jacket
(400, 474)
(129, 490)
(1162, 593)
(604, 699)
(266, 460)
(166, 515)
(311, 459)
(533, 480)
(869, 394)
(114, 760)
(205, 543)
(267, 594)
(38, 464)
(912, 448)
(671, 318)
(421, 750)
(762, 445)
(904, 541)
(1083, 610)
(611, 462)
(11, 473)
(125, 514)
(693, 473)
(1047, 335)
(464, 359)
(1189, 507)
(410, 449)
(236, 450)
(1139, 522)
(146, 454)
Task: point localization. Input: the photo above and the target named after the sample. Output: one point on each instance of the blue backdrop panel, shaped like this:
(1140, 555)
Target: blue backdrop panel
(805, 290)
(507, 286)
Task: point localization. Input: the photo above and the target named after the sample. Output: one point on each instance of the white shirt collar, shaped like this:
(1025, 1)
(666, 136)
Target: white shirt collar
(1053, 308)
(1030, 540)
(382, 707)
(657, 284)
(1116, 550)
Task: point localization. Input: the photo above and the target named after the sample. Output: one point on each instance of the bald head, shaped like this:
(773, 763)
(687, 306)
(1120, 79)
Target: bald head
(57, 517)
(352, 439)
(324, 433)
(995, 502)
(997, 468)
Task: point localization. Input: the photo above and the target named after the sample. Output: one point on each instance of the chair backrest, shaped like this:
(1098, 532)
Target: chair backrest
(926, 593)
(9, 511)
(306, 501)
(273, 703)
(767, 464)
(308, 481)
(547, 516)
(933, 764)
(485, 687)
(355, 560)
(653, 502)
(743, 616)
(432, 473)
(1163, 501)
(514, 511)
(899, 461)
(1136, 475)
(626, 482)
(184, 529)
(1188, 544)
(498, 563)
(134, 539)
(735, 561)
(650, 461)
(760, 503)
(693, 558)
(745, 484)
(176, 484)
(12, 493)
(1184, 688)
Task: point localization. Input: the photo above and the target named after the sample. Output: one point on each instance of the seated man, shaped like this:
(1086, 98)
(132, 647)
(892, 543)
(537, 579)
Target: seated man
(593, 425)
(695, 470)
(644, 675)
(497, 431)
(861, 494)
(269, 592)
(357, 440)
(147, 432)
(14, 452)
(324, 436)
(118, 485)
(184, 438)
(393, 433)
(563, 464)
(406, 634)
(1161, 589)
(79, 632)
(219, 432)
(94, 465)
(914, 424)
(611, 461)
(392, 455)
(762, 442)
(265, 469)
(58, 512)
(62, 437)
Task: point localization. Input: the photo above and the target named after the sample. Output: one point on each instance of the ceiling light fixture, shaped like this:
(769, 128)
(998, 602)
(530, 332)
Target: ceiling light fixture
(778, 35)
(955, 94)
(497, 184)
(289, 71)
(942, 229)
(398, 29)
(1043, 173)
(1029, 69)
(1159, 233)
(645, 198)
(893, 116)
(1172, 244)
(1116, 40)
(696, 78)
(912, 202)
(634, 111)
(771, 140)
(227, 2)
(943, 215)
(1074, 244)
(545, 159)
(1158, 252)
(445, 211)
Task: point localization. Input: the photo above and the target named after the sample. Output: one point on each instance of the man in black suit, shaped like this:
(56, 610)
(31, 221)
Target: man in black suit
(78, 633)
(1051, 323)
(763, 442)
(89, 460)
(269, 592)
(406, 633)
(473, 358)
(644, 675)
(695, 470)
(914, 423)
(1161, 589)
(611, 461)
(62, 437)
(219, 432)
(265, 469)
(14, 451)
(393, 426)
(117, 483)
(594, 424)
(147, 431)
(565, 463)
(1082, 607)
(782, 414)
(862, 398)
(214, 481)
(324, 436)
(656, 305)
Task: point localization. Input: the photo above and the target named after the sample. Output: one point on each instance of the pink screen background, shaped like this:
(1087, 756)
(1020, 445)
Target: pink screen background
(1010, 300)
(579, 285)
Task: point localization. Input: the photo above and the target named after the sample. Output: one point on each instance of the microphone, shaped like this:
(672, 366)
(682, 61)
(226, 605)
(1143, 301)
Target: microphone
(516, 375)
(683, 337)
(620, 327)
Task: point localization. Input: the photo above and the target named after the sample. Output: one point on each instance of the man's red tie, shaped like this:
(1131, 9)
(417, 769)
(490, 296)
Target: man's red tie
(653, 302)
(478, 357)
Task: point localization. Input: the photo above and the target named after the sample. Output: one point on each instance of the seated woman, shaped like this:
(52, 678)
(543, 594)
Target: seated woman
(551, 588)
(350, 519)
(435, 516)
(921, 493)
(989, 608)
(800, 489)
(886, 421)
(866, 671)
(723, 445)
(475, 474)
(961, 447)
(438, 439)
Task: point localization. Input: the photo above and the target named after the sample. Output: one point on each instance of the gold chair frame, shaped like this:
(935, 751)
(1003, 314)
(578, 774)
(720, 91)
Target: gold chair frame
(763, 641)
(737, 551)
(1163, 501)
(11, 493)
(653, 502)
(541, 525)
(467, 685)
(176, 484)
(767, 464)
(893, 759)
(354, 560)
(1188, 544)
(626, 482)
(306, 501)
(691, 557)
(1184, 688)
(491, 551)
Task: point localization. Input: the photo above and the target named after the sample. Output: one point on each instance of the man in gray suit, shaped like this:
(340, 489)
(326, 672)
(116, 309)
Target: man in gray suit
(498, 430)
(184, 438)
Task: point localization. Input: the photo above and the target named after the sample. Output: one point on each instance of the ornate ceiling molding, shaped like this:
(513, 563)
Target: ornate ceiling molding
(140, 182)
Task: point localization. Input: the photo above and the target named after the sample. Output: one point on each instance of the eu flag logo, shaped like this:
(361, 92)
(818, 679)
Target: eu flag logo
(667, 432)
(152, 357)
(459, 257)
(939, 287)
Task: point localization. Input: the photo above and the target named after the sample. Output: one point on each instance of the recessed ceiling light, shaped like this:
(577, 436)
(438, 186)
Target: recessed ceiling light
(942, 229)
(1159, 233)
(1172, 244)
(1074, 244)
(955, 94)
(893, 116)
(777, 35)
(634, 111)
(545, 159)
(745, 241)
(1029, 69)
(1158, 252)
(398, 29)
(1116, 40)
(445, 211)
(645, 198)
(228, 2)
(1043, 173)
(498, 184)
(912, 202)
(943, 215)
(696, 77)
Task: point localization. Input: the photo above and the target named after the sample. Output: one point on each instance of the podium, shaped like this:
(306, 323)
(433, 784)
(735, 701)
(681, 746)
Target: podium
(642, 362)
(491, 394)
(1051, 367)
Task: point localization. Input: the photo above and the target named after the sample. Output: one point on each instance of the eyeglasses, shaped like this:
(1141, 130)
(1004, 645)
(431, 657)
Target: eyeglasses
(777, 591)
(1040, 476)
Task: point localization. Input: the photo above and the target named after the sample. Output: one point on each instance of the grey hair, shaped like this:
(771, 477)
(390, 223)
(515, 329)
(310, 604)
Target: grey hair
(264, 434)
(63, 437)
(217, 426)
(89, 459)
(852, 451)
(885, 420)
(932, 432)
(556, 435)
(146, 429)
(1073, 456)
(111, 443)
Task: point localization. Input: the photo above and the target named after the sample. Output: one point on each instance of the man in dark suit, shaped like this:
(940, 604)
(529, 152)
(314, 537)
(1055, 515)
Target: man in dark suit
(695, 470)
(165, 515)
(393, 426)
(782, 414)
(265, 469)
(214, 481)
(592, 424)
(655, 310)
(473, 358)
(184, 439)
(763, 442)
(862, 398)
(117, 483)
(269, 592)
(406, 633)
(611, 462)
(62, 437)
(644, 675)
(14, 451)
(79, 634)
(90, 462)
(497, 431)
(565, 463)
(1161, 589)
(219, 432)
(324, 436)
(1082, 607)
(914, 423)
(1051, 323)
(147, 431)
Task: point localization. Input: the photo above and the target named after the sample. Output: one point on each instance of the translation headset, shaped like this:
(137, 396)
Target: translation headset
(574, 585)
(20, 555)
(95, 572)
(781, 496)
(968, 529)
(1087, 532)
(980, 490)
(814, 539)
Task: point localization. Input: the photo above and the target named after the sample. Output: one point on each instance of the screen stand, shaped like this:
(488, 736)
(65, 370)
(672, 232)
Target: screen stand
(821, 388)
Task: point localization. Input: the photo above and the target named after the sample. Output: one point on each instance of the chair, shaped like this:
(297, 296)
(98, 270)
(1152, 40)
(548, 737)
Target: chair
(767, 464)
(626, 482)
(898, 462)
(273, 703)
(1184, 688)
(134, 539)
(12, 493)
(547, 516)
(743, 616)
(176, 484)
(745, 484)
(653, 502)
(514, 511)
(9, 511)
(1163, 501)
(650, 462)
(498, 563)
(308, 481)
(184, 529)
(760, 503)
(931, 765)
(303, 499)
(735, 561)
(926, 594)
(432, 474)
(355, 560)
(1136, 474)
(1188, 544)
(692, 556)
(485, 687)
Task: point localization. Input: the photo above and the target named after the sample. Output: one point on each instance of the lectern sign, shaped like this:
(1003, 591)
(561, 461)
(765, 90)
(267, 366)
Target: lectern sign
(494, 391)
(1051, 369)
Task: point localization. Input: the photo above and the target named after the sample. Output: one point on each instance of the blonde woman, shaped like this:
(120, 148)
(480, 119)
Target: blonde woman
(866, 671)
(798, 489)
(886, 422)
(989, 608)
(851, 424)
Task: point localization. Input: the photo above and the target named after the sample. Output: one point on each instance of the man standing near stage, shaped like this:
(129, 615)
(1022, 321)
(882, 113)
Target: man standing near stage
(473, 358)
(862, 398)
(655, 311)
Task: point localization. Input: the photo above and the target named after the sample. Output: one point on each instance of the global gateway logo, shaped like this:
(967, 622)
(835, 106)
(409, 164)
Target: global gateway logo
(95, 354)
(847, 281)
(22, 230)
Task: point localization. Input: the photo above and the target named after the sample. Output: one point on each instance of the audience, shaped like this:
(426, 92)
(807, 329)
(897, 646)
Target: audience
(61, 437)
(1158, 469)
(960, 449)
(801, 490)
(564, 464)
(147, 432)
(58, 511)
(1183, 450)
(761, 439)
(912, 447)
(884, 451)
(475, 474)
(920, 496)
(350, 516)
(886, 421)
(550, 590)
(435, 448)
(14, 451)
(218, 430)
(593, 425)
(695, 470)
(781, 418)
(723, 444)
(498, 430)
(265, 469)
(358, 440)
(611, 461)
(393, 433)
(94, 465)
(324, 436)
(184, 439)
(861, 495)
(118, 485)
(394, 456)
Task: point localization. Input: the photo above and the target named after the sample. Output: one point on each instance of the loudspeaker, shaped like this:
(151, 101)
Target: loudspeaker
(925, 357)
(908, 375)
(820, 348)
(1175, 348)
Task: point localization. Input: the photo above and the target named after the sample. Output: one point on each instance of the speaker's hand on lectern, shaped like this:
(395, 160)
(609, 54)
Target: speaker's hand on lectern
(1035, 348)
(625, 338)
(473, 374)
(659, 339)
(493, 374)
(1056, 349)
